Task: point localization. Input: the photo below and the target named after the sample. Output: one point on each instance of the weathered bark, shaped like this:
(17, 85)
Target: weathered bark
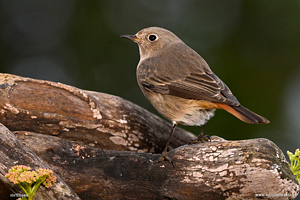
(97, 119)
(77, 134)
(12, 153)
(218, 169)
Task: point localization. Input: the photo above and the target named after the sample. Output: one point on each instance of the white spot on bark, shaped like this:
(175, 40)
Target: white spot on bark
(214, 148)
(96, 113)
(143, 150)
(120, 134)
(132, 148)
(133, 137)
(118, 140)
(122, 121)
(95, 110)
(197, 174)
(186, 180)
(112, 158)
(11, 108)
(223, 173)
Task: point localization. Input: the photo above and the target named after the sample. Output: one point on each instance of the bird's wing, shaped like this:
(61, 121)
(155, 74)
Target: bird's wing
(186, 76)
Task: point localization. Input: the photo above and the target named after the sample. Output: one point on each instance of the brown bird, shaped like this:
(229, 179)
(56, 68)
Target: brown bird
(180, 85)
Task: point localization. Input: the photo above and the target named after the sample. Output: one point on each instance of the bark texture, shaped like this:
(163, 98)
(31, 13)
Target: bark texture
(12, 153)
(97, 119)
(102, 146)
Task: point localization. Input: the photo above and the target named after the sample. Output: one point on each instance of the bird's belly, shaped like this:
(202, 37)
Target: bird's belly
(184, 111)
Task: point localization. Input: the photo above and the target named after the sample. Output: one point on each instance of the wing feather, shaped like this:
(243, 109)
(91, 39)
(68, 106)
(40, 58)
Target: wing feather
(187, 76)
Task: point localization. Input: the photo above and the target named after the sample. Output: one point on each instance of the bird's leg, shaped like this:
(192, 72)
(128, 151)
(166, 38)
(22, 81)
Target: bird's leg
(200, 137)
(164, 156)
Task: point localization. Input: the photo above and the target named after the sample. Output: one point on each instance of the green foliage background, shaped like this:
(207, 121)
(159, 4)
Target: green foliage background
(253, 46)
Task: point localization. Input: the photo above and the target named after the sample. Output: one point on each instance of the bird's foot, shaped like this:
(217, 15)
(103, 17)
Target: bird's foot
(200, 139)
(164, 157)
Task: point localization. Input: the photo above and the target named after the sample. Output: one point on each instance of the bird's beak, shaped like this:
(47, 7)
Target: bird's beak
(131, 37)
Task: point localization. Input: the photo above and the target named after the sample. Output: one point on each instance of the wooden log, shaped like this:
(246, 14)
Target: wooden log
(218, 169)
(100, 120)
(77, 133)
(12, 153)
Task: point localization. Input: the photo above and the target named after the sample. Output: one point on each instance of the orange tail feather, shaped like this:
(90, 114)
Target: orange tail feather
(244, 114)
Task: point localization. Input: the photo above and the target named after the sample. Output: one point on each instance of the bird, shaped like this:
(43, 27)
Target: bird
(180, 85)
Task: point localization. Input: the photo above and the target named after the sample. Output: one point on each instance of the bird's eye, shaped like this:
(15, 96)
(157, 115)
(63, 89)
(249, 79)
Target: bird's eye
(152, 37)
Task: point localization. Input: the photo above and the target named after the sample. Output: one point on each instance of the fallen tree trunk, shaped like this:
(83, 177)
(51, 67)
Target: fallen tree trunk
(218, 169)
(77, 134)
(96, 119)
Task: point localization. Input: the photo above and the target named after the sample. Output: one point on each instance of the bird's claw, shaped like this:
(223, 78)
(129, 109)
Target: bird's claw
(163, 157)
(200, 139)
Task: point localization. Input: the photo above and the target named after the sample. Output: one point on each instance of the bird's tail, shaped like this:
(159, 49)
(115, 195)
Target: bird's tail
(244, 114)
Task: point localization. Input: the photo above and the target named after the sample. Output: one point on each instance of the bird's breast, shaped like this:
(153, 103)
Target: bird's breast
(184, 111)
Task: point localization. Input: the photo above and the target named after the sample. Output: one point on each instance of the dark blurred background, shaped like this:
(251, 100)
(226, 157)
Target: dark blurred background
(253, 46)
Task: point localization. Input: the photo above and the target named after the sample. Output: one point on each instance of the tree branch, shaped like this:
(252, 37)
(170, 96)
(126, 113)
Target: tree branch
(102, 120)
(214, 170)
(77, 133)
